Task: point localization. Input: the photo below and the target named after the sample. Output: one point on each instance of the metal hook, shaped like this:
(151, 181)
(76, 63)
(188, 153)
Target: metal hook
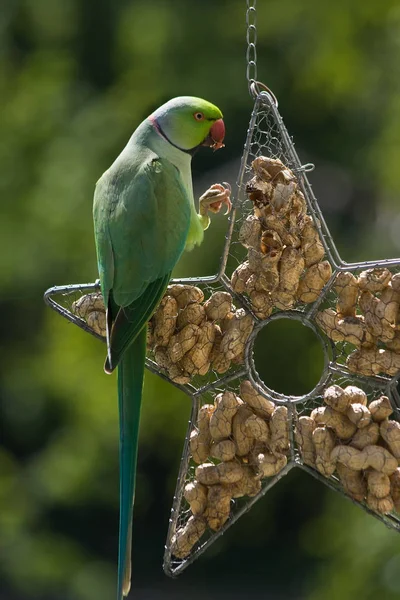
(256, 88)
(307, 168)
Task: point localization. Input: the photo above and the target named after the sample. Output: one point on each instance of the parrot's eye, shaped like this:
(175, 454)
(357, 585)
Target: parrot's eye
(199, 116)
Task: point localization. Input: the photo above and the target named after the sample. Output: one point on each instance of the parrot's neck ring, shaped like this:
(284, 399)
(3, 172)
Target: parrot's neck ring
(157, 127)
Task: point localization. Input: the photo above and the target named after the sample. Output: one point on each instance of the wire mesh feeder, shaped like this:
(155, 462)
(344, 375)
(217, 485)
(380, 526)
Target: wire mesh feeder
(279, 261)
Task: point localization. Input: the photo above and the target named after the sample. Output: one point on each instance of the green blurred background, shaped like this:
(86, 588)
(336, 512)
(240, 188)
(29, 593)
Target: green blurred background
(76, 77)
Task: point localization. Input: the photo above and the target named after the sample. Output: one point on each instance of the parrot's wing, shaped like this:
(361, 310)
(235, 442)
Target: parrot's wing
(131, 319)
(143, 218)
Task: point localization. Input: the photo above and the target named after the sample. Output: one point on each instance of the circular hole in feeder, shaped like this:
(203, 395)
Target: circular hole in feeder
(289, 357)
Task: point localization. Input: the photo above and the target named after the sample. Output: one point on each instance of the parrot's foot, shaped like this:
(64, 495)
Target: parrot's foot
(213, 199)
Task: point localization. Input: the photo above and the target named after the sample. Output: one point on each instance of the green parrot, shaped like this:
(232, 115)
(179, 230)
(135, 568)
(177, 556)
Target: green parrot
(144, 218)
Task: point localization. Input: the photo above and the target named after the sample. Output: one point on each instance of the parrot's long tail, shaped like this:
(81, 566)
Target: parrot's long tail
(130, 384)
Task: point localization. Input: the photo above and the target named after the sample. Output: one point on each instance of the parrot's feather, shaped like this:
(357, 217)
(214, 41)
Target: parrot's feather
(130, 320)
(130, 383)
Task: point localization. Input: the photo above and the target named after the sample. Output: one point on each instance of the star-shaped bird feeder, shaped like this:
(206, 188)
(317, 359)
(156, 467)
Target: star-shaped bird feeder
(279, 262)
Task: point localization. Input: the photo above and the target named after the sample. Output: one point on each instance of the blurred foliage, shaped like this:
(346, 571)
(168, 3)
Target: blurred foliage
(76, 77)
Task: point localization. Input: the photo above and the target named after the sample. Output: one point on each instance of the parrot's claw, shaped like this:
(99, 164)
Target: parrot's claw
(213, 199)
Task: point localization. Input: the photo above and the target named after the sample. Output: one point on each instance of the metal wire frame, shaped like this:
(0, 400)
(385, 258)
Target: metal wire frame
(265, 103)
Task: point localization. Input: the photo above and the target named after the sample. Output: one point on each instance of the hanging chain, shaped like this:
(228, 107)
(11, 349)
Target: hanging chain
(255, 87)
(251, 38)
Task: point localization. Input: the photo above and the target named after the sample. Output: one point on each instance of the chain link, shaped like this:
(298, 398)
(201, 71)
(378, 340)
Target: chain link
(251, 38)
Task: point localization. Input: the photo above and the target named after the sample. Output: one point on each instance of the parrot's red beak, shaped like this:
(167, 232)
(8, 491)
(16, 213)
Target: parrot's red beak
(216, 135)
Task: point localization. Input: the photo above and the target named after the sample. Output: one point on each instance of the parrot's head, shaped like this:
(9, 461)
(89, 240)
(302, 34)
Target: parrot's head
(188, 122)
